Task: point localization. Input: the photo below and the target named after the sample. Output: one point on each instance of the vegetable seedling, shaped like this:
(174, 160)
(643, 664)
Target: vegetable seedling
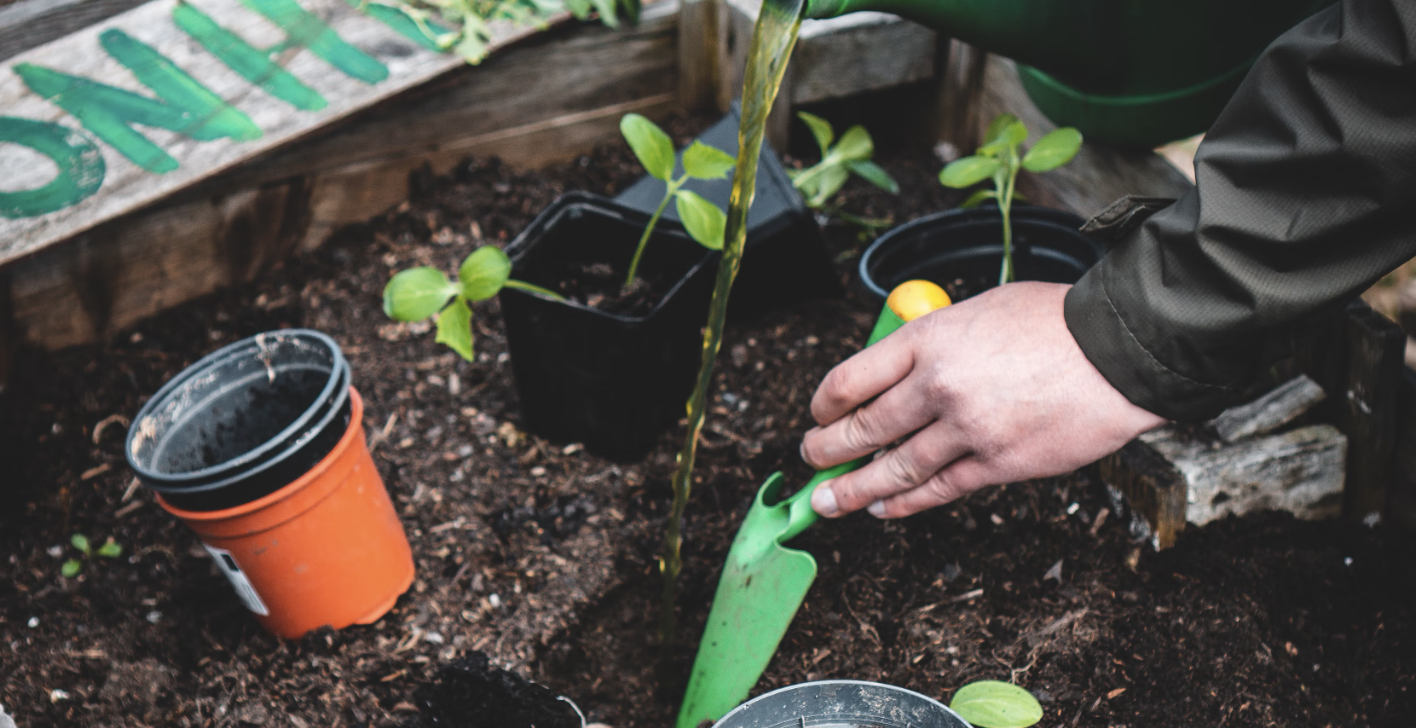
(850, 155)
(80, 542)
(703, 220)
(995, 704)
(464, 27)
(1000, 159)
(418, 293)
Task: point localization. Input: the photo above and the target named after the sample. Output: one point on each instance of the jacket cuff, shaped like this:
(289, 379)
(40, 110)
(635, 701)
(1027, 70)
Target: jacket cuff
(1109, 344)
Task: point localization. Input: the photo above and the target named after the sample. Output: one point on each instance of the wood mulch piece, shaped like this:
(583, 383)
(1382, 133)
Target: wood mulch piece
(541, 555)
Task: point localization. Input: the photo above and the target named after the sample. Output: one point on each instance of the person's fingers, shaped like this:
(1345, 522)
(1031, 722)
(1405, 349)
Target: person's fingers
(894, 414)
(897, 471)
(861, 377)
(960, 478)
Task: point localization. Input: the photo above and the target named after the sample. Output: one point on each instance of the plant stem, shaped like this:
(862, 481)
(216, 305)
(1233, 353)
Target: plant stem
(533, 288)
(1006, 207)
(669, 191)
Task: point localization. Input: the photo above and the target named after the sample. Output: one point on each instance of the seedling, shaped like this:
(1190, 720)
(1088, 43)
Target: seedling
(702, 219)
(464, 27)
(999, 158)
(850, 155)
(994, 704)
(72, 567)
(417, 293)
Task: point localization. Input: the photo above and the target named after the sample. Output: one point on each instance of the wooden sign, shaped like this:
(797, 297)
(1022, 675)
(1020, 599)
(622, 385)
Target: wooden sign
(125, 112)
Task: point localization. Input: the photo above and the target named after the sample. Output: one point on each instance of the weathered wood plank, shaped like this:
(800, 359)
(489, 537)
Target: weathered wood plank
(959, 77)
(1282, 405)
(1153, 487)
(557, 95)
(32, 23)
(698, 54)
(857, 53)
(126, 185)
(1098, 176)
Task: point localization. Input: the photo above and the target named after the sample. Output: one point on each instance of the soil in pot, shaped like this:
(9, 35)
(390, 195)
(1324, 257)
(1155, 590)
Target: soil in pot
(962, 250)
(1225, 628)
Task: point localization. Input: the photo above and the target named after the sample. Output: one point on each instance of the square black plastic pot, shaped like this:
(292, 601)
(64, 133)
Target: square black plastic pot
(785, 260)
(610, 381)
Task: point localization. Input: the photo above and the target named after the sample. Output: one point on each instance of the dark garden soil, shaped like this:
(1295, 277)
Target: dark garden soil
(540, 556)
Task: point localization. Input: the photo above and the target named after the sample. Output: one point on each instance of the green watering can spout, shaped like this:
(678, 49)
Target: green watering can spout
(1134, 72)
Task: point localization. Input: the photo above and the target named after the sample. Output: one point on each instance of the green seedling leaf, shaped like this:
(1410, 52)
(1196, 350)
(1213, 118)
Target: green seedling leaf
(1008, 137)
(417, 293)
(81, 543)
(872, 173)
(484, 272)
(110, 550)
(1054, 150)
(977, 198)
(996, 126)
(854, 145)
(994, 704)
(650, 144)
(820, 128)
(70, 568)
(702, 219)
(455, 328)
(606, 8)
(967, 171)
(829, 182)
(701, 161)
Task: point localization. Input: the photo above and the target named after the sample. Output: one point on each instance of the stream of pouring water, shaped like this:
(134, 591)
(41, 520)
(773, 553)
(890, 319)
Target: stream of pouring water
(772, 43)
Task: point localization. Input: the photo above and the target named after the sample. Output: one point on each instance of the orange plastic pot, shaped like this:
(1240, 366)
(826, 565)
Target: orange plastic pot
(327, 549)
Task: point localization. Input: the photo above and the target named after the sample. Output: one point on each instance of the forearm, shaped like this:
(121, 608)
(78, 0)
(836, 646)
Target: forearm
(1304, 196)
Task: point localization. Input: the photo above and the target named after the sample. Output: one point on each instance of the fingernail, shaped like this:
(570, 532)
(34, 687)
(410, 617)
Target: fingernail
(801, 450)
(824, 501)
(877, 509)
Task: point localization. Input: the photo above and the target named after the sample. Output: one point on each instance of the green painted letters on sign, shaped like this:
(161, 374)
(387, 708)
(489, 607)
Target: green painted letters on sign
(304, 30)
(186, 106)
(399, 22)
(79, 159)
(253, 65)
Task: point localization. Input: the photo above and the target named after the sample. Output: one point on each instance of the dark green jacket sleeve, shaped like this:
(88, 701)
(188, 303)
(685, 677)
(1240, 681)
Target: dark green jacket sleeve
(1304, 196)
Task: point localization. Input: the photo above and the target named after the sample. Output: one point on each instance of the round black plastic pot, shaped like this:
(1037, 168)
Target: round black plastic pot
(962, 250)
(243, 421)
(842, 704)
(610, 381)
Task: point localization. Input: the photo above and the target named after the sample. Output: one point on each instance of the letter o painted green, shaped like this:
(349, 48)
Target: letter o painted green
(80, 162)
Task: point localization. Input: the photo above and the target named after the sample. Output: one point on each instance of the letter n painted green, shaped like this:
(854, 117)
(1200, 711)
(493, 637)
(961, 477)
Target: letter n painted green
(183, 105)
(251, 64)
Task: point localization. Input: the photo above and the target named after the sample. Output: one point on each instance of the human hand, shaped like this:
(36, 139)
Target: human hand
(994, 390)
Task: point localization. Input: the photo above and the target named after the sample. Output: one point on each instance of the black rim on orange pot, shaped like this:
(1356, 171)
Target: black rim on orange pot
(964, 249)
(243, 421)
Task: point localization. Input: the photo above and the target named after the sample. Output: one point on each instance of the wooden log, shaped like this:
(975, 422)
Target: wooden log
(1376, 349)
(556, 96)
(698, 54)
(1282, 405)
(32, 23)
(1154, 488)
(1401, 498)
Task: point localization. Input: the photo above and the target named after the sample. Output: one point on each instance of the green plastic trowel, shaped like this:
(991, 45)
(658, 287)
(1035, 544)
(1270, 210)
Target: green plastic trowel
(763, 581)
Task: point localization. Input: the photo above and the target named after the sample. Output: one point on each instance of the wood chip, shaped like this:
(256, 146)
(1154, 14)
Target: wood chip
(125, 510)
(394, 676)
(131, 491)
(1100, 519)
(967, 596)
(96, 471)
(105, 422)
(1114, 693)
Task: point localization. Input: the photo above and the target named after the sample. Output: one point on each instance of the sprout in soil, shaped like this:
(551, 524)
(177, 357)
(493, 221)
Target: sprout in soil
(850, 155)
(80, 542)
(703, 220)
(464, 27)
(994, 704)
(999, 159)
(417, 293)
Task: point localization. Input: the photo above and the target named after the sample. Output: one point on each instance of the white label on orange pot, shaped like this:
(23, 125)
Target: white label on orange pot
(237, 577)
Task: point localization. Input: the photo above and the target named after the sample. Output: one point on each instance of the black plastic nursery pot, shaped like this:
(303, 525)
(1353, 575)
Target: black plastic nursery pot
(962, 250)
(243, 421)
(785, 258)
(607, 380)
(842, 704)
